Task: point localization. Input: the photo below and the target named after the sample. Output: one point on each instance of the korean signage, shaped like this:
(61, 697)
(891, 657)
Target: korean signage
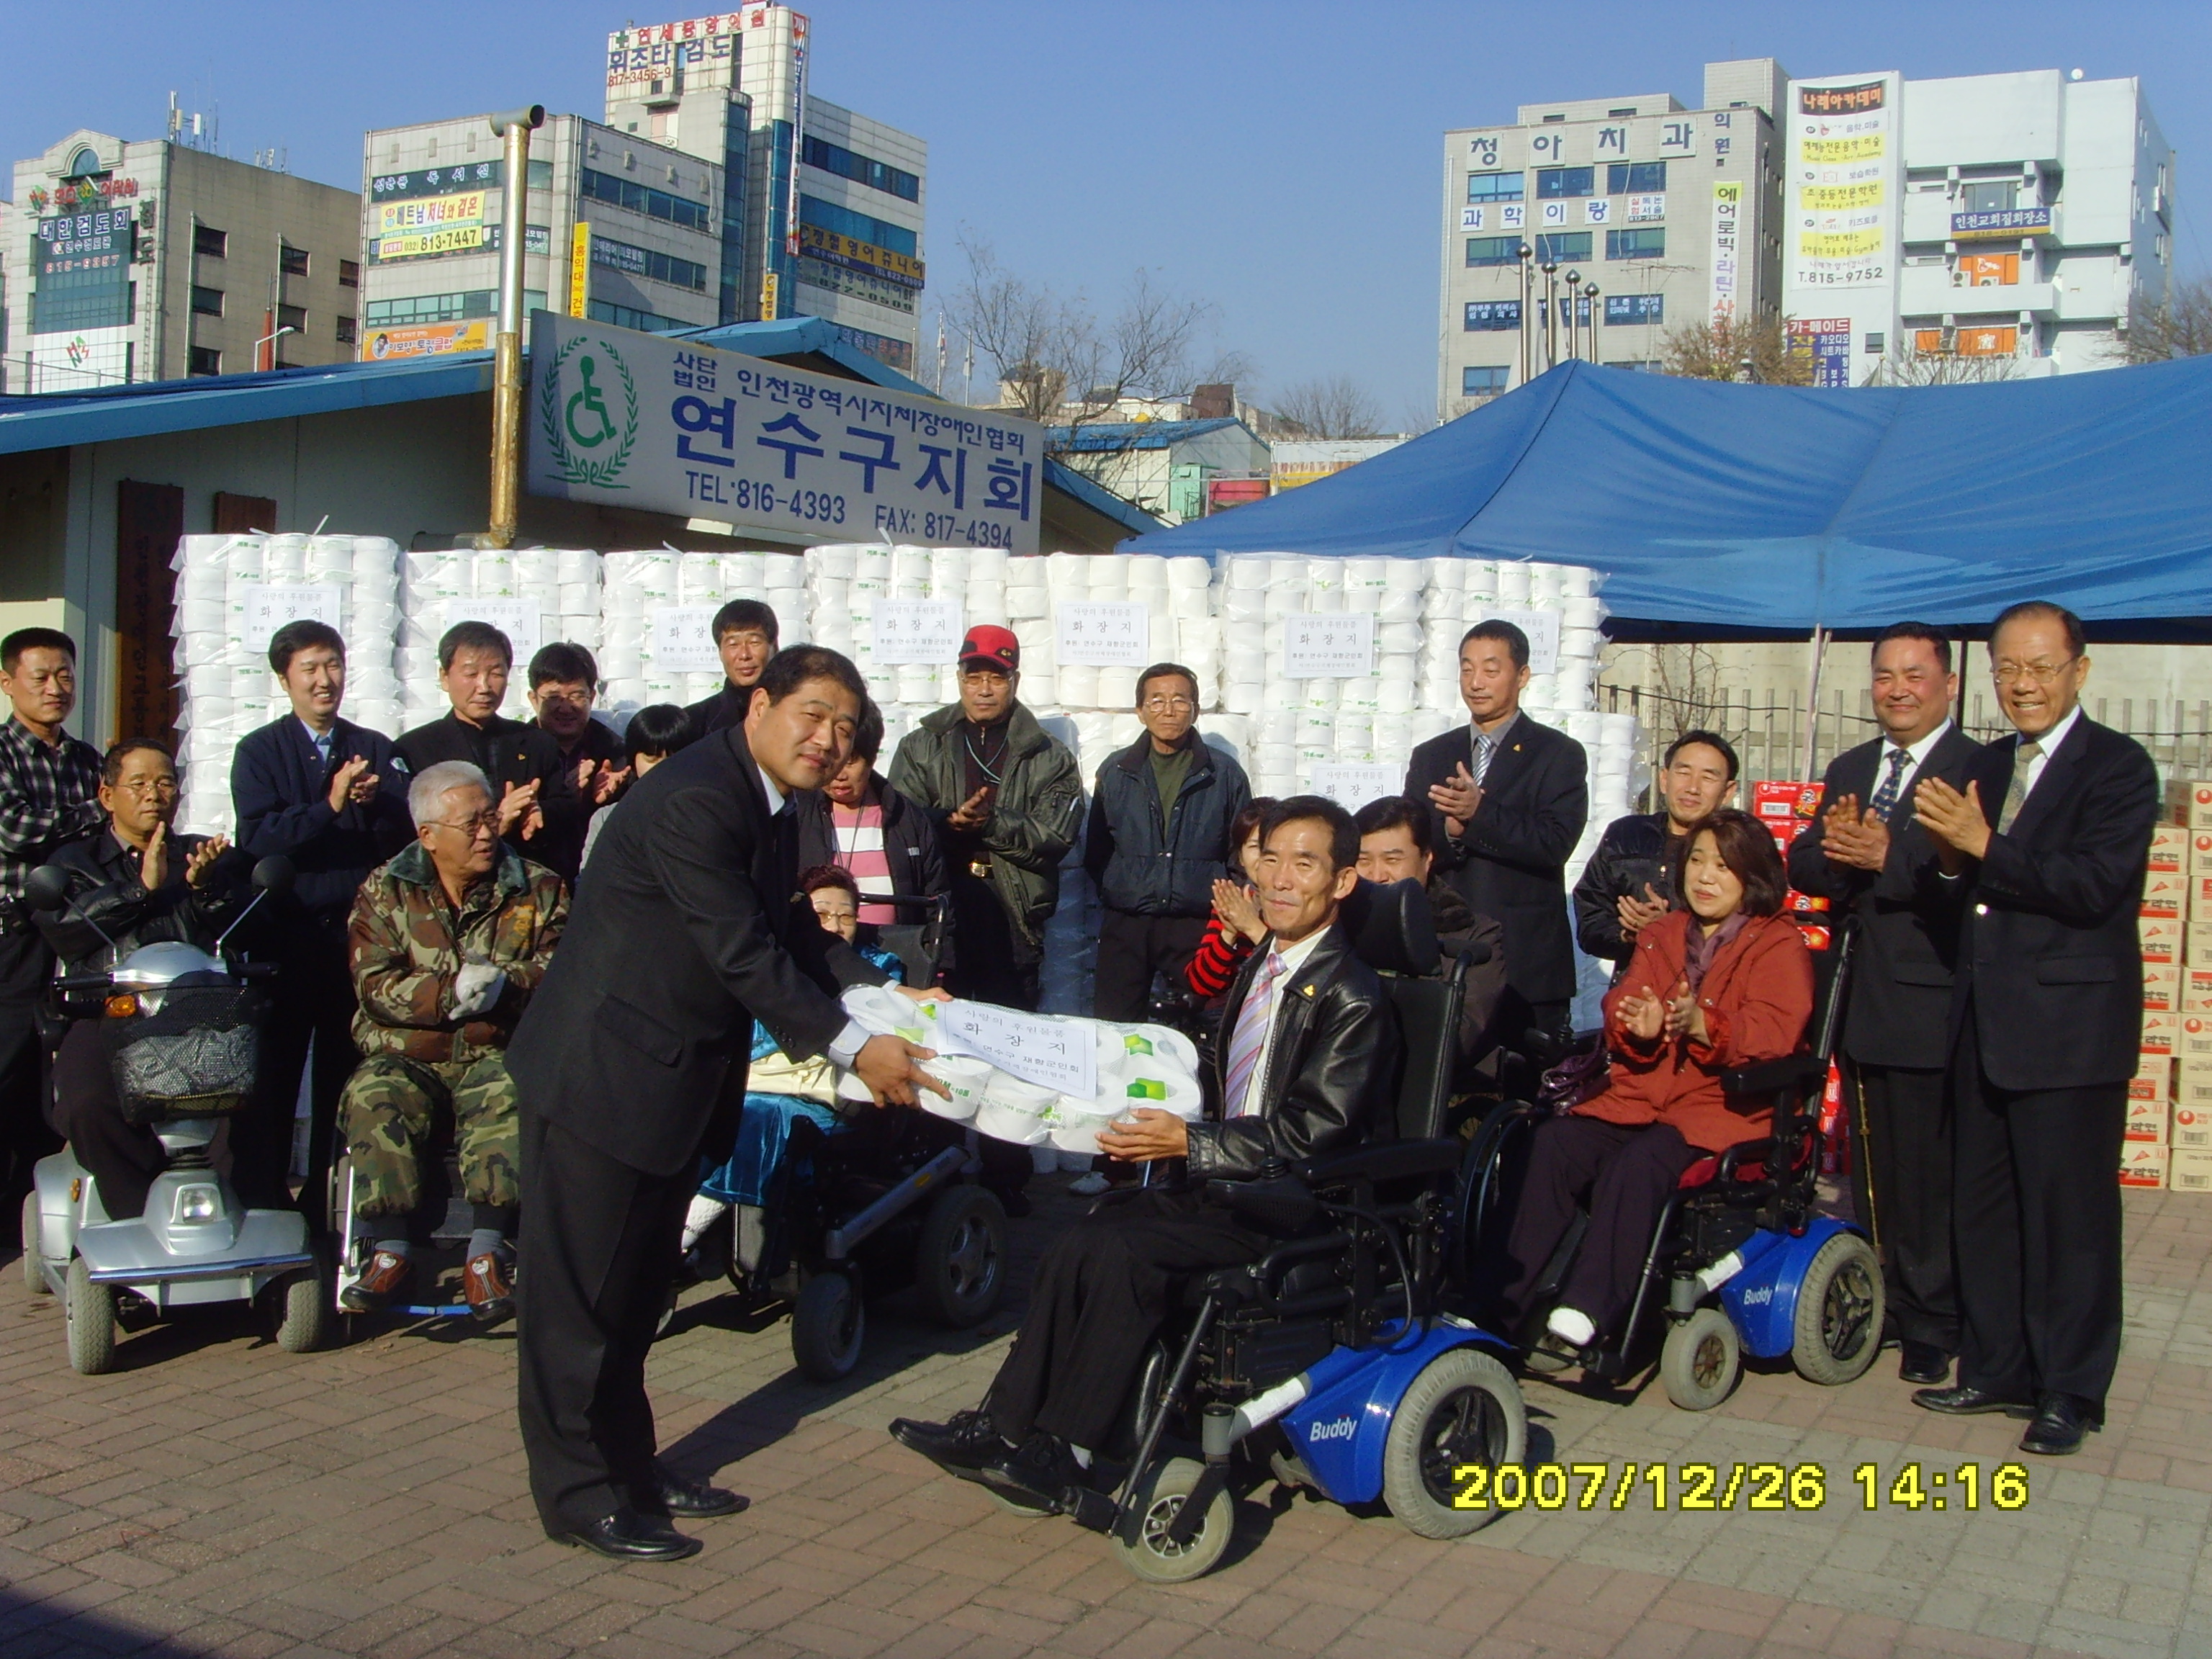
(1052, 1054)
(664, 425)
(83, 264)
(1728, 236)
(1352, 784)
(425, 339)
(1622, 308)
(2004, 222)
(857, 255)
(1102, 634)
(682, 640)
(76, 193)
(1647, 207)
(1336, 646)
(433, 181)
(639, 56)
(926, 631)
(1842, 166)
(1542, 627)
(579, 269)
(430, 224)
(268, 607)
(1985, 270)
(1825, 343)
(520, 620)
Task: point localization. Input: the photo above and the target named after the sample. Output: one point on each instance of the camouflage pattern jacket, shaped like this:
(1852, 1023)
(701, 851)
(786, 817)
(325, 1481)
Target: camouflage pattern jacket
(407, 944)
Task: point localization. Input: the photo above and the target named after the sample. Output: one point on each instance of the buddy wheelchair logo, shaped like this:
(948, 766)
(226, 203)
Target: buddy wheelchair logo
(588, 412)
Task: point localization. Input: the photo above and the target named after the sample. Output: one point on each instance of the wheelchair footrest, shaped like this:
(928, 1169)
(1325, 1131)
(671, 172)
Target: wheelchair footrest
(1093, 1509)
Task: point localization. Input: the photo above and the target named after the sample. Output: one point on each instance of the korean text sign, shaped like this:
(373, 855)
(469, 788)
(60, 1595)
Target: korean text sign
(668, 426)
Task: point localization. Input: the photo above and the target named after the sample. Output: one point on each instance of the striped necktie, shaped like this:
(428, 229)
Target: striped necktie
(1884, 799)
(2016, 792)
(1484, 748)
(1251, 1037)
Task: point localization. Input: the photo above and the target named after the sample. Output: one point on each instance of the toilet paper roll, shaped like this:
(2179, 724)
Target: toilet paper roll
(1078, 685)
(1481, 580)
(1512, 584)
(1317, 728)
(1583, 611)
(1189, 575)
(1318, 693)
(1578, 642)
(1361, 696)
(1399, 604)
(1399, 639)
(1248, 573)
(1117, 688)
(1242, 696)
(1396, 697)
(1448, 575)
(1543, 584)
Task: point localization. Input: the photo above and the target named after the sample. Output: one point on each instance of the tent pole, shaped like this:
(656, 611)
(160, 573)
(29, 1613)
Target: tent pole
(1817, 650)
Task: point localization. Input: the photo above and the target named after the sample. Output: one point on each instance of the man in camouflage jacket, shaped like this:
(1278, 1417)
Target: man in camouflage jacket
(447, 942)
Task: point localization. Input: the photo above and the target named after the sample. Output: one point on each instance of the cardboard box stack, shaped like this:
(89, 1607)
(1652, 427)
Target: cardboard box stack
(2170, 1100)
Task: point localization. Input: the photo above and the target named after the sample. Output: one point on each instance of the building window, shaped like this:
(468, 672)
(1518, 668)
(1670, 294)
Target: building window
(1561, 245)
(208, 302)
(207, 239)
(1876, 343)
(292, 261)
(203, 360)
(1618, 114)
(349, 273)
(1634, 178)
(645, 261)
(1637, 244)
(348, 331)
(1990, 196)
(646, 322)
(1489, 316)
(876, 176)
(1623, 308)
(1493, 249)
(1494, 186)
(292, 317)
(860, 226)
(1479, 381)
(1552, 182)
(642, 199)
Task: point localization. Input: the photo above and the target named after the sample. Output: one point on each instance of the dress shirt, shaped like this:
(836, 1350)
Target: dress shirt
(322, 741)
(1915, 757)
(2050, 740)
(48, 795)
(1476, 737)
(1294, 958)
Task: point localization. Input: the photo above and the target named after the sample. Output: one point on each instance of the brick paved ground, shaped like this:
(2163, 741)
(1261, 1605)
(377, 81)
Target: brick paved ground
(219, 1497)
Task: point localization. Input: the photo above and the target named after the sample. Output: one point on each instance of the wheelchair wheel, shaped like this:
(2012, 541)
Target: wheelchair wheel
(827, 1325)
(34, 1272)
(1701, 1361)
(1839, 1310)
(960, 1258)
(1154, 1557)
(1463, 1408)
(90, 1314)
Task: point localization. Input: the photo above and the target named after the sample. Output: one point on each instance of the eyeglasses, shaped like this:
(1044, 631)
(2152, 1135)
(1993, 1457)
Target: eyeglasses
(484, 824)
(565, 699)
(1167, 705)
(2043, 673)
(148, 786)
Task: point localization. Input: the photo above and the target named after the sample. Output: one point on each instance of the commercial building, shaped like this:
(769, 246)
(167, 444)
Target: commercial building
(1168, 468)
(146, 260)
(1666, 213)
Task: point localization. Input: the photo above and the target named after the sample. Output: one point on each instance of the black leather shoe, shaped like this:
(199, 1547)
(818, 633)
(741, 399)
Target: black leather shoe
(1922, 1362)
(672, 1494)
(626, 1535)
(1041, 1476)
(2060, 1422)
(969, 1441)
(1964, 1400)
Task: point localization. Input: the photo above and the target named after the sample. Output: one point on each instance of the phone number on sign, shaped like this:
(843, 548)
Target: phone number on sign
(1692, 1486)
(808, 506)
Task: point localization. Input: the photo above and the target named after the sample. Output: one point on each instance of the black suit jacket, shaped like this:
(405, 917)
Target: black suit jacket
(686, 928)
(1332, 1071)
(2050, 960)
(1512, 864)
(510, 751)
(725, 709)
(281, 791)
(1900, 1007)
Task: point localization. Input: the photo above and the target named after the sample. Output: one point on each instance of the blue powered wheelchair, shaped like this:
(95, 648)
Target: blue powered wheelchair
(1740, 1262)
(1330, 1363)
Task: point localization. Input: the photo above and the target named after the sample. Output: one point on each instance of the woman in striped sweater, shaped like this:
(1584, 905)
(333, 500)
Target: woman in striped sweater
(1235, 926)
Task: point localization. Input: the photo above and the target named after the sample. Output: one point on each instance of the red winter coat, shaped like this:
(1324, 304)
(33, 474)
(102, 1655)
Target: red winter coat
(1757, 995)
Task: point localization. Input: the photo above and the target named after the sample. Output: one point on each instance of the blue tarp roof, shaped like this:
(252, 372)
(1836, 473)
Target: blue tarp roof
(1110, 437)
(1771, 510)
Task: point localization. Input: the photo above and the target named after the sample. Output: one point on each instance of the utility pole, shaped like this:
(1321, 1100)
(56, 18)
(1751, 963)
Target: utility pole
(514, 127)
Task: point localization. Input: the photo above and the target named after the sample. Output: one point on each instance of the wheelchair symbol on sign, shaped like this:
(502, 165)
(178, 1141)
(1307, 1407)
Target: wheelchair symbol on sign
(593, 403)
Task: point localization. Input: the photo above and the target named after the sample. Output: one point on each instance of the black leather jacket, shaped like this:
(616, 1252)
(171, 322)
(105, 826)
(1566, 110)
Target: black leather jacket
(104, 889)
(1332, 1071)
(1631, 852)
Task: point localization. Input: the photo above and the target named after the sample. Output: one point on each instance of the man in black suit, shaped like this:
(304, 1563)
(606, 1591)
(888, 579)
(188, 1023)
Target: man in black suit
(2049, 838)
(744, 636)
(1510, 798)
(1872, 861)
(633, 1054)
(1305, 1066)
(331, 797)
(539, 812)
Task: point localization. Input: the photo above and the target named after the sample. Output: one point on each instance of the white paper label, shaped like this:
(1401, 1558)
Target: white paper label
(916, 631)
(1337, 647)
(520, 620)
(1542, 627)
(1052, 1053)
(269, 608)
(1104, 634)
(1352, 784)
(682, 641)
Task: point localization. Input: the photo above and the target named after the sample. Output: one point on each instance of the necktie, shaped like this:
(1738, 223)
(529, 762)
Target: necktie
(2016, 792)
(1483, 747)
(1250, 1036)
(1884, 799)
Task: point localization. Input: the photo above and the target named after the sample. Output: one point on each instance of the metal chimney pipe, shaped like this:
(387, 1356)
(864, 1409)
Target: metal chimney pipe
(514, 127)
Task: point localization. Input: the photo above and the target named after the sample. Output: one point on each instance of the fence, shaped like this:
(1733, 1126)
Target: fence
(1768, 726)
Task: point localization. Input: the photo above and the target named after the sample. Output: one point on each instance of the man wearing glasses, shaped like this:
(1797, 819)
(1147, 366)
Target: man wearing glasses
(2048, 840)
(448, 940)
(1159, 840)
(564, 687)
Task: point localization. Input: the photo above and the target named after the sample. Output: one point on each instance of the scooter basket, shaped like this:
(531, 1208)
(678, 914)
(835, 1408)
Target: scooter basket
(197, 1054)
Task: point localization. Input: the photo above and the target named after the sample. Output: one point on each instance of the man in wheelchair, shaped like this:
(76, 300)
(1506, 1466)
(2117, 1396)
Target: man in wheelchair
(447, 942)
(1724, 982)
(1308, 1063)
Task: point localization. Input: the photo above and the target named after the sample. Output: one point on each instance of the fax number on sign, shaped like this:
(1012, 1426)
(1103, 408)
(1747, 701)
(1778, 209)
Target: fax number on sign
(941, 529)
(808, 506)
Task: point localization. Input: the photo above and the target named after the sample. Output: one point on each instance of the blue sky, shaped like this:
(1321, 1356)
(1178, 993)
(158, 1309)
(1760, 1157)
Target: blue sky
(1281, 161)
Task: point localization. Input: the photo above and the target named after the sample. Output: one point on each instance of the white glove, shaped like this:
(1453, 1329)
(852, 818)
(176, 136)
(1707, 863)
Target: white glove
(477, 989)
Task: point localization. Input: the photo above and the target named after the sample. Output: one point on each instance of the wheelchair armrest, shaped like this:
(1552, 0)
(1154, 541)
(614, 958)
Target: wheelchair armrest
(1774, 1077)
(1393, 1160)
(1280, 1202)
(1742, 1151)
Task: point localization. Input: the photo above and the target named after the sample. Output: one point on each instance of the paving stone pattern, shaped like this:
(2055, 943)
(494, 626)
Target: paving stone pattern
(217, 1497)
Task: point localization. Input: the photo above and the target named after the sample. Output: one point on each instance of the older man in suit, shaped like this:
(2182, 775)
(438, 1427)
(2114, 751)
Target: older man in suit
(632, 1053)
(2049, 838)
(1509, 798)
(1868, 857)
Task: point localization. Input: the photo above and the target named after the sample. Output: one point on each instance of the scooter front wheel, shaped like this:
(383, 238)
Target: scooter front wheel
(301, 1304)
(90, 1314)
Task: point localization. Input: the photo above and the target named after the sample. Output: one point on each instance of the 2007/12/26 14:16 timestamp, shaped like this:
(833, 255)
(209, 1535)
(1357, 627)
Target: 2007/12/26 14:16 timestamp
(1714, 1487)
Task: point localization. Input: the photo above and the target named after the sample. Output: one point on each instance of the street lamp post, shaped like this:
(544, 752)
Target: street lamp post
(1551, 310)
(1589, 298)
(1573, 314)
(1525, 255)
(270, 340)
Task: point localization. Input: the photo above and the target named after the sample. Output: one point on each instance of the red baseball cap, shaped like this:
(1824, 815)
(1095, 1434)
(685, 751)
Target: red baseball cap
(989, 646)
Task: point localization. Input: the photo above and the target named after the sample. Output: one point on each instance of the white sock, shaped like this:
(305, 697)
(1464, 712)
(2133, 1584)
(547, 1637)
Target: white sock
(1082, 1454)
(1572, 1324)
(702, 1214)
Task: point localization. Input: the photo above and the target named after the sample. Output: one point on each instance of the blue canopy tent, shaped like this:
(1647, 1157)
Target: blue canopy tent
(1724, 510)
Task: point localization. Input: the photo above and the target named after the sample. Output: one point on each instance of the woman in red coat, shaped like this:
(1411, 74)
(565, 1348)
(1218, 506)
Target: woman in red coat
(1724, 982)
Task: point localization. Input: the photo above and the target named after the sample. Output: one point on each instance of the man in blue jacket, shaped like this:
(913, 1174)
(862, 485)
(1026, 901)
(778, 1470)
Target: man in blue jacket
(1158, 841)
(331, 797)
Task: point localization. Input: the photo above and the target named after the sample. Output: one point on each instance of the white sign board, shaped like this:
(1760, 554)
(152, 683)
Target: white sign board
(520, 620)
(916, 631)
(1103, 634)
(269, 608)
(1339, 646)
(1542, 627)
(665, 425)
(1052, 1053)
(1352, 784)
(682, 639)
